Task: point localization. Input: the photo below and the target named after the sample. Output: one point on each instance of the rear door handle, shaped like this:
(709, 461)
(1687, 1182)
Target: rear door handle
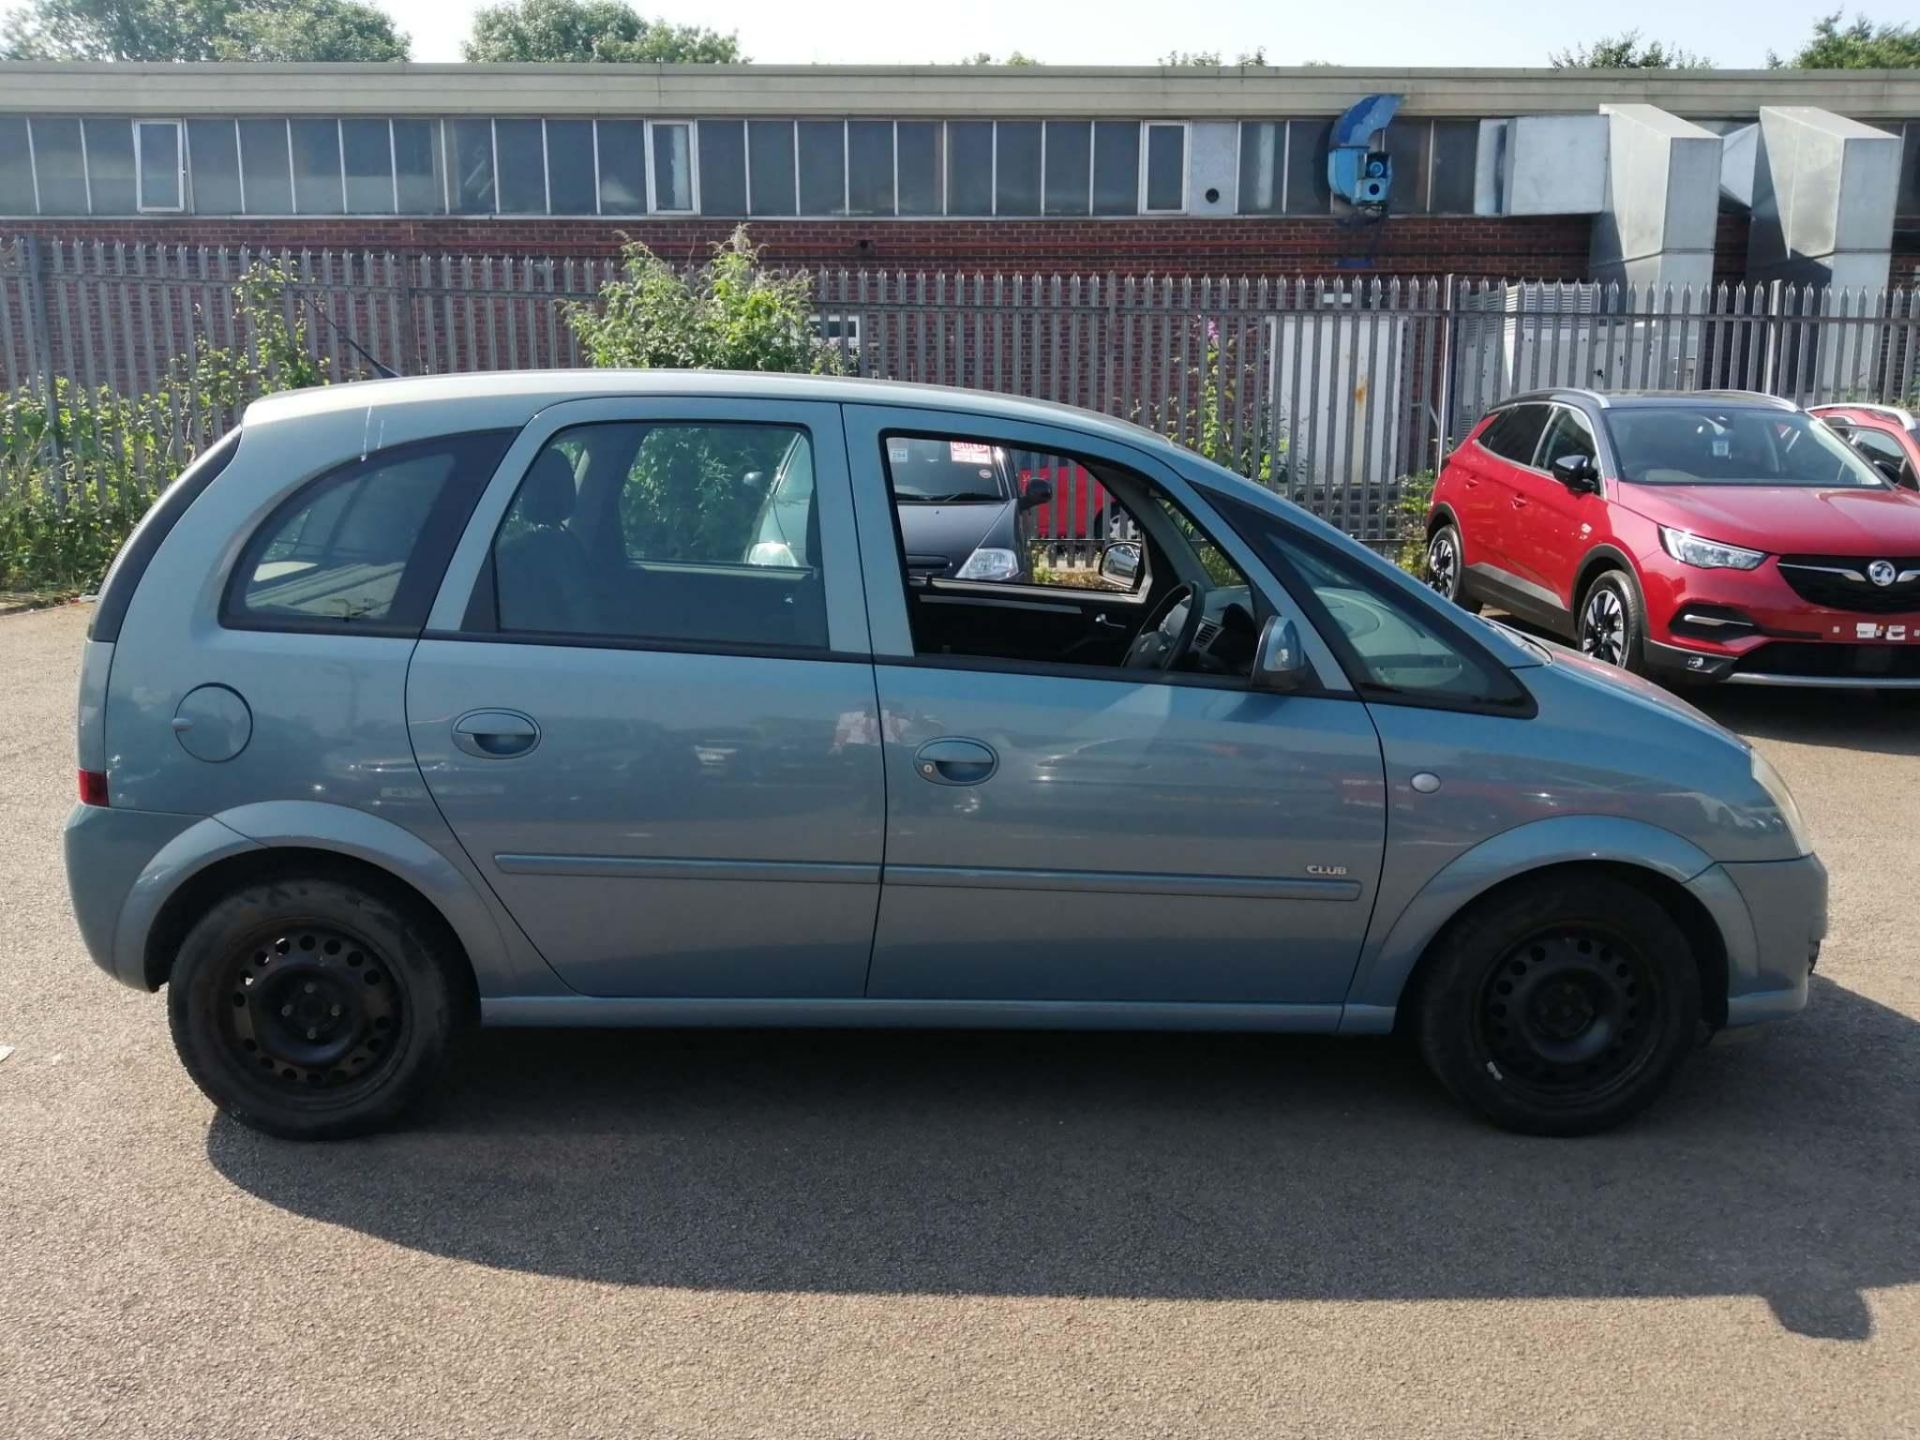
(495, 734)
(954, 761)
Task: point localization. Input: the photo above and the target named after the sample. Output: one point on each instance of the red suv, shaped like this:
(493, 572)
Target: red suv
(1887, 435)
(1716, 536)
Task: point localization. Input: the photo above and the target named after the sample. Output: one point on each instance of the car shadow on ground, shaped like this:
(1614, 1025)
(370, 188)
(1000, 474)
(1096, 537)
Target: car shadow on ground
(1219, 1167)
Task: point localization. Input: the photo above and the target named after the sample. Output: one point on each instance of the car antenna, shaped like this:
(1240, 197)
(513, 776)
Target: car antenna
(384, 371)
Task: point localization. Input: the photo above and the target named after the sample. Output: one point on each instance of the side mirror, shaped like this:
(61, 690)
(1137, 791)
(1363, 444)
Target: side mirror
(1037, 493)
(1280, 664)
(1889, 467)
(1121, 564)
(1577, 473)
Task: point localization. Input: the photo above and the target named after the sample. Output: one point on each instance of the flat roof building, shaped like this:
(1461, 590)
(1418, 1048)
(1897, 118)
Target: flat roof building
(1666, 177)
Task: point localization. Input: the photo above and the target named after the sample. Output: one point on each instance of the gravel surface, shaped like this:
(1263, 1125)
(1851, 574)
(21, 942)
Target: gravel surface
(969, 1235)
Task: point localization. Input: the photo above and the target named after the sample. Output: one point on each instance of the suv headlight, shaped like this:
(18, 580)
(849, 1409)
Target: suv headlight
(1768, 779)
(1690, 549)
(989, 564)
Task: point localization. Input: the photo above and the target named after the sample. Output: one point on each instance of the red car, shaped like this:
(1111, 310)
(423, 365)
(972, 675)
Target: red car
(1887, 435)
(1711, 536)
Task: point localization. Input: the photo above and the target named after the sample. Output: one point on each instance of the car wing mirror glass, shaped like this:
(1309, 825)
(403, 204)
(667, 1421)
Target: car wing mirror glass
(1121, 565)
(1576, 472)
(1281, 664)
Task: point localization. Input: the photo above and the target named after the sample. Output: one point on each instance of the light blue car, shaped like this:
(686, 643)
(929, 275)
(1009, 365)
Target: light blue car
(422, 703)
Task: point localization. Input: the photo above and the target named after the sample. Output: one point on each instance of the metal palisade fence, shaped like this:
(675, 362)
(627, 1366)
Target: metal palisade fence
(1331, 389)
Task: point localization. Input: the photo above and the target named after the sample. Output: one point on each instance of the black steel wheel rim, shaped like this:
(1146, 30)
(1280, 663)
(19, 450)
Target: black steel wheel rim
(1603, 626)
(1443, 564)
(1570, 1014)
(309, 1006)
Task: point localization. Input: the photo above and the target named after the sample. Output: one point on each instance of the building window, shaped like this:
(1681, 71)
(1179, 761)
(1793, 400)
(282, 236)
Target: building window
(266, 168)
(970, 167)
(770, 186)
(59, 166)
(1408, 144)
(723, 167)
(1166, 181)
(520, 158)
(1069, 164)
(1017, 168)
(1455, 154)
(1906, 197)
(213, 167)
(920, 167)
(571, 187)
(1116, 167)
(318, 185)
(869, 167)
(620, 147)
(470, 188)
(673, 168)
(1263, 167)
(16, 168)
(112, 182)
(822, 147)
(1307, 190)
(366, 151)
(419, 188)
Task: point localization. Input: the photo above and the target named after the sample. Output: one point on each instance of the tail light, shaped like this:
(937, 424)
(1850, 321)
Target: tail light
(93, 787)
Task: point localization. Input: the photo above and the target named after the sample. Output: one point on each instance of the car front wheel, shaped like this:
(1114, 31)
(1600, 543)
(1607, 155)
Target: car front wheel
(313, 1009)
(1561, 1006)
(1446, 573)
(1610, 629)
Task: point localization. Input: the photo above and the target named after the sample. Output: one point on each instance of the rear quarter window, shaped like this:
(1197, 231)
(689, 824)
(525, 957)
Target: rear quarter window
(362, 548)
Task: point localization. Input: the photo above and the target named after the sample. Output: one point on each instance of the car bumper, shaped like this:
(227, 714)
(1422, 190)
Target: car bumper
(108, 852)
(1772, 917)
(1752, 628)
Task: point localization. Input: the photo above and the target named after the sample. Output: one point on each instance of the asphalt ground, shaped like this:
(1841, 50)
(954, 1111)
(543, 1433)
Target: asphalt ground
(792, 1235)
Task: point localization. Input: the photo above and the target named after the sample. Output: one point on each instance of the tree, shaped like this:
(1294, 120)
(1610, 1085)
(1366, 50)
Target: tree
(1206, 59)
(1014, 57)
(1859, 46)
(555, 31)
(201, 30)
(312, 30)
(1625, 52)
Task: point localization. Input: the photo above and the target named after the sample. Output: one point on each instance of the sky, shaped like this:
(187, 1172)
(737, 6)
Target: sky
(1732, 33)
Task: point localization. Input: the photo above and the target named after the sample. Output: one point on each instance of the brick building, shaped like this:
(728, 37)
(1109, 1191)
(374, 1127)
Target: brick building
(1649, 177)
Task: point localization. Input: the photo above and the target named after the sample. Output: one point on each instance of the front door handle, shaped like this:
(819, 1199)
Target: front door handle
(955, 761)
(495, 734)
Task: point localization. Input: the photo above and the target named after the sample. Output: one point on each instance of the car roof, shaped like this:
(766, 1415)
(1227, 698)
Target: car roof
(1651, 399)
(528, 391)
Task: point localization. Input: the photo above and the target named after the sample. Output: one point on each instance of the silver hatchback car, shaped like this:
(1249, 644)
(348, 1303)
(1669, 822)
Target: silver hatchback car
(515, 699)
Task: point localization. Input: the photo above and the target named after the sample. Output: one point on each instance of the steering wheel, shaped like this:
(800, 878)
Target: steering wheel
(1161, 645)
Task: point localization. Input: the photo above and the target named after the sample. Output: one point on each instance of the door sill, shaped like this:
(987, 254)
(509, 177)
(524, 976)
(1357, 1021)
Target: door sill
(617, 1012)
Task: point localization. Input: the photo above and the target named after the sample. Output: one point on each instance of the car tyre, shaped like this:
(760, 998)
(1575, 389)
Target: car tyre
(1560, 1007)
(313, 1009)
(1610, 628)
(1446, 572)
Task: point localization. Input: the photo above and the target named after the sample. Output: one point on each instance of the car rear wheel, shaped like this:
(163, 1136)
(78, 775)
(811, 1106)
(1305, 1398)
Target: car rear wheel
(1610, 629)
(1446, 573)
(1560, 1007)
(312, 1009)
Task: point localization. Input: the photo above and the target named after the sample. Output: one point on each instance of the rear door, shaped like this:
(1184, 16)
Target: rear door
(644, 702)
(1507, 447)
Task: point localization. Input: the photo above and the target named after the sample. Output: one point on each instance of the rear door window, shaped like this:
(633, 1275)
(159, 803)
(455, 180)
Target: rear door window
(1515, 433)
(363, 547)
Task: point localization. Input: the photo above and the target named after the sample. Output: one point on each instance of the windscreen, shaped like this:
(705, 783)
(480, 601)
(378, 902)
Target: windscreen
(946, 472)
(1731, 445)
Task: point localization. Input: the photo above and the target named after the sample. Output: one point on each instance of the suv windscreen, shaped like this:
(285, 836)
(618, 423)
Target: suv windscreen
(1711, 444)
(946, 472)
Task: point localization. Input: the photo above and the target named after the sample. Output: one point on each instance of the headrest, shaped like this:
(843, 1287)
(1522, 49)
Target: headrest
(548, 495)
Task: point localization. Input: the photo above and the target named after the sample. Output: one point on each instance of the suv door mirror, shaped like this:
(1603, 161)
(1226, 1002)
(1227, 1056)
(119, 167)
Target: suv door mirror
(1577, 473)
(1280, 665)
(1121, 565)
(1037, 493)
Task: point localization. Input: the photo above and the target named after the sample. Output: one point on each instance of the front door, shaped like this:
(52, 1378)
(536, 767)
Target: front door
(1066, 826)
(643, 702)
(1547, 549)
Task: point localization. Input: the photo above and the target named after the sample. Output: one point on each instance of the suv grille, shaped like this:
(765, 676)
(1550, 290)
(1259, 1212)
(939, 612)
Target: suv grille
(1840, 582)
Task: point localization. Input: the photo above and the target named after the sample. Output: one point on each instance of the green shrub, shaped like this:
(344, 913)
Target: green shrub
(1410, 523)
(79, 467)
